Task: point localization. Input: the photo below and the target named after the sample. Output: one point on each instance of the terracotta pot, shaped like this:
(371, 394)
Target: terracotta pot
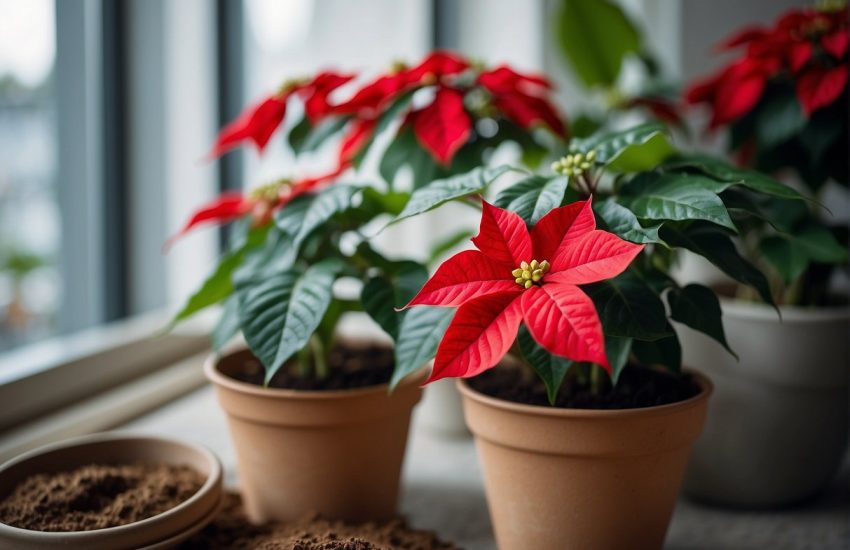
(561, 479)
(338, 453)
(162, 531)
(777, 427)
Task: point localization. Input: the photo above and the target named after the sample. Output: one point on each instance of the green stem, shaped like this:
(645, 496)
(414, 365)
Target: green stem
(597, 379)
(318, 350)
(304, 362)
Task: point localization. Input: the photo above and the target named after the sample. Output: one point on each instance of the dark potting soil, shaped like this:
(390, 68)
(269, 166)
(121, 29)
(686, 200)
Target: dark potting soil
(231, 530)
(98, 496)
(637, 387)
(350, 365)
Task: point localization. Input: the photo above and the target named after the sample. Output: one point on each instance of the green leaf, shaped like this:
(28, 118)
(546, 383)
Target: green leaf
(786, 256)
(665, 352)
(419, 335)
(382, 294)
(533, 197)
(390, 202)
(595, 36)
(779, 118)
(405, 150)
(447, 244)
(677, 197)
(280, 312)
(698, 307)
(623, 222)
(442, 191)
(820, 245)
(629, 307)
(617, 349)
(217, 287)
(717, 247)
(552, 369)
(378, 298)
(731, 176)
(304, 137)
(314, 210)
(228, 324)
(640, 147)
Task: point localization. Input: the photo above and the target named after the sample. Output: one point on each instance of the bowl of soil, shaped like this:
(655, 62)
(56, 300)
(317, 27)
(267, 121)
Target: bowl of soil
(108, 491)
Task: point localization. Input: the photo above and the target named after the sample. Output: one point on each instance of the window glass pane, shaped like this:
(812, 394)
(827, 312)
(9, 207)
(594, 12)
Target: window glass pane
(299, 37)
(29, 212)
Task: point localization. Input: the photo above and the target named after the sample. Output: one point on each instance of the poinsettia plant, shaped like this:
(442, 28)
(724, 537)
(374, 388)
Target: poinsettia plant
(293, 239)
(598, 40)
(784, 101)
(572, 267)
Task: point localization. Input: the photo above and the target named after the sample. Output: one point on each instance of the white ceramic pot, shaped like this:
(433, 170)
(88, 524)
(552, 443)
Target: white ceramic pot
(777, 425)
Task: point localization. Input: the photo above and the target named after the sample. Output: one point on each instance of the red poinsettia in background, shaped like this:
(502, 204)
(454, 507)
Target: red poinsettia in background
(462, 92)
(807, 47)
(519, 276)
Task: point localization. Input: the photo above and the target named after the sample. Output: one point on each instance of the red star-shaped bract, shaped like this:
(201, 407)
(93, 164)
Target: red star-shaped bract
(522, 98)
(808, 45)
(258, 123)
(492, 304)
(231, 206)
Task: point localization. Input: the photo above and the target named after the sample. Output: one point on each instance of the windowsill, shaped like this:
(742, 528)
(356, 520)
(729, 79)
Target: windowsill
(442, 490)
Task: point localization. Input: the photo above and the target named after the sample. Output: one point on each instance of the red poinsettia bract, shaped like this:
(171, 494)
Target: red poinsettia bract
(259, 122)
(519, 276)
(260, 203)
(808, 46)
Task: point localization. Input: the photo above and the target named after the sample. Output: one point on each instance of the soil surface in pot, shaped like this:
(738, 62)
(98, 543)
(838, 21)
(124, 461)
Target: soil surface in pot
(231, 530)
(637, 388)
(98, 496)
(350, 365)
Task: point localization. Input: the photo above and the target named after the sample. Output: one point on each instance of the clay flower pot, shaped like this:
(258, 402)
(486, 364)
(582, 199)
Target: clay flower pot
(777, 427)
(165, 530)
(559, 479)
(338, 452)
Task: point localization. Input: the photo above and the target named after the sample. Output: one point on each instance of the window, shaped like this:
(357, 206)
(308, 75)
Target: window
(30, 284)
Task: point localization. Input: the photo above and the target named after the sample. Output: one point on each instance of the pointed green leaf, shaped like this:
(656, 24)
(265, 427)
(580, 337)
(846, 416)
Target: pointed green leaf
(786, 256)
(280, 312)
(664, 352)
(228, 324)
(216, 287)
(629, 307)
(305, 137)
(620, 220)
(595, 36)
(384, 293)
(677, 197)
(698, 307)
(306, 213)
(442, 191)
(647, 140)
(731, 176)
(419, 335)
(552, 369)
(617, 349)
(717, 247)
(533, 197)
(820, 245)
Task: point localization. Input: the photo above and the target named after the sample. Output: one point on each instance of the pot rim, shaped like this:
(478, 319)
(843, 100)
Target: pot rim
(212, 480)
(706, 389)
(794, 314)
(220, 379)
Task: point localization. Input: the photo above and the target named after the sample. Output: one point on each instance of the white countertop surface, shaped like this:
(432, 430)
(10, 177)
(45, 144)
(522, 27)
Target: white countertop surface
(442, 490)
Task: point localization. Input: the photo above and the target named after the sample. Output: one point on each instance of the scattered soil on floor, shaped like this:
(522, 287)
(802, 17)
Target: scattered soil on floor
(231, 530)
(98, 496)
(350, 365)
(637, 387)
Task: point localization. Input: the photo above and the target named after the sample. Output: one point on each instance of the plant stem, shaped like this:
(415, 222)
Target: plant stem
(304, 362)
(597, 379)
(319, 356)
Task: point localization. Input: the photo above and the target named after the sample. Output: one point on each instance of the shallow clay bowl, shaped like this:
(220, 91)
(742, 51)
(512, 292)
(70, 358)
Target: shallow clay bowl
(165, 530)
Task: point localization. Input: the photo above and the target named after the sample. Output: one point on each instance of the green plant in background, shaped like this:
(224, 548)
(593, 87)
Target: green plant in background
(644, 192)
(596, 38)
(293, 240)
(783, 101)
